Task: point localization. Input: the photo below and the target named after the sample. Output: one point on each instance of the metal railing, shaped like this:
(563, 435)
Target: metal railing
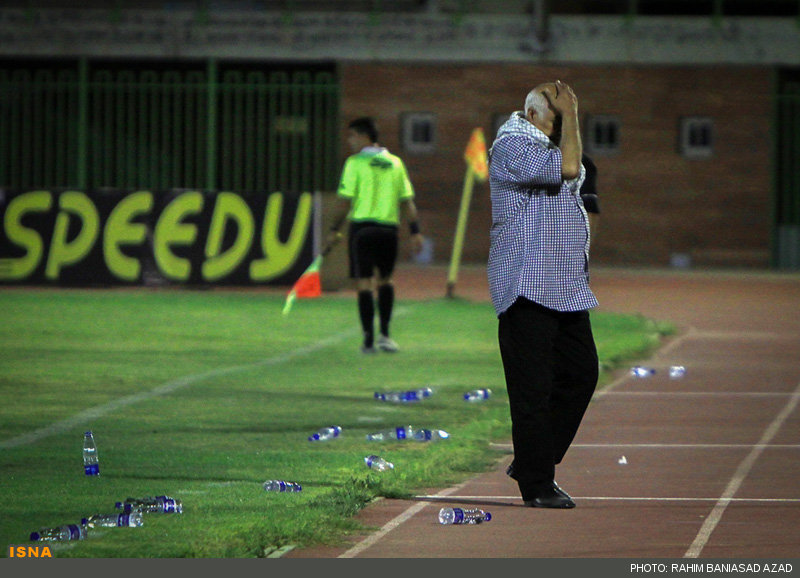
(787, 175)
(200, 125)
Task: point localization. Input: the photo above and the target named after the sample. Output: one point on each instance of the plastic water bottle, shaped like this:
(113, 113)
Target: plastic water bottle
(427, 435)
(461, 516)
(91, 464)
(151, 505)
(477, 395)
(402, 433)
(378, 463)
(404, 396)
(326, 433)
(282, 486)
(131, 520)
(60, 533)
(677, 371)
(641, 371)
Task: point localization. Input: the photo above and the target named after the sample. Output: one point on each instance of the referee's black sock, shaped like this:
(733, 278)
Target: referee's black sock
(366, 310)
(385, 305)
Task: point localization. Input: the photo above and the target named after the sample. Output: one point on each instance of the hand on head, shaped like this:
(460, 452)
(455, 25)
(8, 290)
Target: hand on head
(561, 97)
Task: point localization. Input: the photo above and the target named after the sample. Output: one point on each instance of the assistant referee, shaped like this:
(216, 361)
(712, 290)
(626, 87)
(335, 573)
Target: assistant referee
(373, 192)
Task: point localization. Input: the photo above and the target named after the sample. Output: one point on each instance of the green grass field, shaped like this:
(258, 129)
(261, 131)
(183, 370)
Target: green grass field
(204, 395)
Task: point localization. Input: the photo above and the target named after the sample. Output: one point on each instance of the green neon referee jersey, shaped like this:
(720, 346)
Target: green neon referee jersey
(375, 181)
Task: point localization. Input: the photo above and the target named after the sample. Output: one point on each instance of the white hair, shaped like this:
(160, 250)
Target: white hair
(537, 102)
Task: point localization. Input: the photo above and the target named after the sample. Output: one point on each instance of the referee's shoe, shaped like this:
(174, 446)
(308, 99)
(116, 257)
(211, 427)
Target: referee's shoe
(385, 343)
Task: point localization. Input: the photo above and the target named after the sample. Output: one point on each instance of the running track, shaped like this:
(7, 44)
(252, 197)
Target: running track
(712, 460)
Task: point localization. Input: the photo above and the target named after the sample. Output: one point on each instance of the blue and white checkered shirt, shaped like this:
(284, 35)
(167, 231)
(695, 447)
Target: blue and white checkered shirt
(540, 230)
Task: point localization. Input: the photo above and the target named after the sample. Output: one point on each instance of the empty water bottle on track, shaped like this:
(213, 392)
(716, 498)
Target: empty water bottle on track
(677, 371)
(65, 533)
(641, 371)
(377, 463)
(404, 396)
(326, 433)
(151, 505)
(402, 433)
(130, 520)
(282, 486)
(477, 395)
(91, 463)
(463, 516)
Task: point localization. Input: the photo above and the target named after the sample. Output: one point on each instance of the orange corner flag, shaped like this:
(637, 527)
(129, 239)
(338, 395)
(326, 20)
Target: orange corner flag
(308, 285)
(475, 155)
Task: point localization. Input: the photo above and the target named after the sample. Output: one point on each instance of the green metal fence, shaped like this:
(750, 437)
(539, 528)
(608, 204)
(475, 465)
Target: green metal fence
(787, 173)
(208, 125)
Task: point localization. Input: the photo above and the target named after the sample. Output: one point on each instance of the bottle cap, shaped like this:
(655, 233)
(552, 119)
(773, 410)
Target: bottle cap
(84, 521)
(35, 536)
(488, 517)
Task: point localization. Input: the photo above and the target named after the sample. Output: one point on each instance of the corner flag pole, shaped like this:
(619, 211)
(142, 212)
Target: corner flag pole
(461, 227)
(477, 166)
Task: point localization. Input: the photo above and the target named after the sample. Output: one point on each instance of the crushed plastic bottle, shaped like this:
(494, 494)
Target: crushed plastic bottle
(622, 461)
(91, 463)
(65, 533)
(402, 433)
(151, 505)
(477, 395)
(641, 371)
(282, 486)
(377, 463)
(449, 516)
(677, 371)
(130, 520)
(326, 433)
(404, 396)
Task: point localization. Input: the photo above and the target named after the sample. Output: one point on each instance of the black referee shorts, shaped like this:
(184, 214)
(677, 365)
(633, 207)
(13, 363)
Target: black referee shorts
(372, 246)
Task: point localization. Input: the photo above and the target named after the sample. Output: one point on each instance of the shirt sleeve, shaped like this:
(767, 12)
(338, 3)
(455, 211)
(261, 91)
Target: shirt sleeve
(575, 184)
(349, 181)
(406, 189)
(525, 163)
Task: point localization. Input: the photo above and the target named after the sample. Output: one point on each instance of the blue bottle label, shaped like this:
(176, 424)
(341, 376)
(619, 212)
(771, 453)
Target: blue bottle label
(458, 516)
(74, 532)
(401, 433)
(92, 470)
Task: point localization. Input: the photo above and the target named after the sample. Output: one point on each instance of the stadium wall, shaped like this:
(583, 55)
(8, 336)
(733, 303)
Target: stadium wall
(658, 207)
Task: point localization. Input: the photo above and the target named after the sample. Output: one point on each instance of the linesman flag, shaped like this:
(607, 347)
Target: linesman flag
(308, 285)
(475, 154)
(477, 168)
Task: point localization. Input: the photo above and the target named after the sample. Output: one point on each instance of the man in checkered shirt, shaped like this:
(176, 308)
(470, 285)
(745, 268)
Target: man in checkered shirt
(539, 283)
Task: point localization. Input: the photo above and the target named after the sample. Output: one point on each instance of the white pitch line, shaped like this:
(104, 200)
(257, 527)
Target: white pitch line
(393, 523)
(692, 446)
(509, 447)
(169, 387)
(701, 393)
(739, 476)
(438, 498)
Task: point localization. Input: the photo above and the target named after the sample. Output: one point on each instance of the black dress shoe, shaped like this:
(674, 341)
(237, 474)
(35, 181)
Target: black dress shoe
(559, 491)
(550, 497)
(510, 473)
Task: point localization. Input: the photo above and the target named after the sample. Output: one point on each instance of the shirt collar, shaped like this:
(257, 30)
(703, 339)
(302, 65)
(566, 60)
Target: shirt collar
(372, 150)
(518, 125)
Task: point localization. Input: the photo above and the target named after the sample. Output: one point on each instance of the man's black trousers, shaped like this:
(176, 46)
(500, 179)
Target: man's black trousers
(551, 369)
